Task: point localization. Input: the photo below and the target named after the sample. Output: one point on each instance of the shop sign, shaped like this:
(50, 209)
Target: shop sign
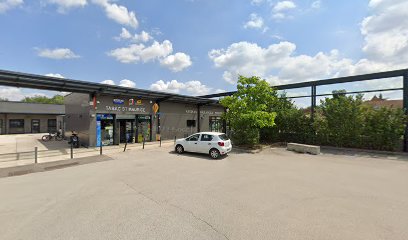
(125, 109)
(203, 112)
(118, 101)
(155, 108)
(103, 116)
(131, 102)
(139, 102)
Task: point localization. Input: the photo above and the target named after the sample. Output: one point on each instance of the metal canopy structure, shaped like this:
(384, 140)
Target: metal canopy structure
(356, 78)
(365, 77)
(24, 80)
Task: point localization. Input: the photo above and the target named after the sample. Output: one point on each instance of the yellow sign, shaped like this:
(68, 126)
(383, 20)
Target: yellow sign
(155, 108)
(138, 102)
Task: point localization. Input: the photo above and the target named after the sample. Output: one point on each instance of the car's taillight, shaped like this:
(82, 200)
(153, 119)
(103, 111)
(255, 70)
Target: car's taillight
(221, 144)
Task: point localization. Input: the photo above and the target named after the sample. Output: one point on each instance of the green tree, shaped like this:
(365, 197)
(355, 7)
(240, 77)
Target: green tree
(249, 109)
(56, 99)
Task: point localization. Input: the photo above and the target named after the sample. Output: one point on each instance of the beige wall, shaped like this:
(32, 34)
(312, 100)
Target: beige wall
(27, 122)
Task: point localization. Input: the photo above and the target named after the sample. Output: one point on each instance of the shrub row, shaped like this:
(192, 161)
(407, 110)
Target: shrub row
(341, 121)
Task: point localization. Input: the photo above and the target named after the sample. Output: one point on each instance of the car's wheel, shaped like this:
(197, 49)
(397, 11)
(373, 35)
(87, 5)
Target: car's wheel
(46, 138)
(179, 149)
(214, 153)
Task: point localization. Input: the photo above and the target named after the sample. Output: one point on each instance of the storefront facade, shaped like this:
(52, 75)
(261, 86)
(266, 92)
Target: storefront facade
(22, 118)
(111, 120)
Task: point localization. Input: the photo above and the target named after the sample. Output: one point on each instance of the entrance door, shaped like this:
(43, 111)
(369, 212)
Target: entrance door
(35, 125)
(126, 131)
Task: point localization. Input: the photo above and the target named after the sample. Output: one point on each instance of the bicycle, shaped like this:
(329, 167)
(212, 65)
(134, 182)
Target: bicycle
(57, 136)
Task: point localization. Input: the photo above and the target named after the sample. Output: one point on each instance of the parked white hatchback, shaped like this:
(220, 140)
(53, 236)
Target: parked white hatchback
(213, 143)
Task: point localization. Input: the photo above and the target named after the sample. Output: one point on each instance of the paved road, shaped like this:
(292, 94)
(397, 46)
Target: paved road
(153, 194)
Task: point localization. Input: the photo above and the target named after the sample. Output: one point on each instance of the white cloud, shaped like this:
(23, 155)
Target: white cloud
(281, 8)
(386, 32)
(176, 62)
(141, 37)
(127, 83)
(254, 21)
(57, 75)
(190, 87)
(257, 2)
(108, 82)
(6, 5)
(65, 5)
(118, 13)
(139, 52)
(123, 83)
(316, 4)
(385, 48)
(284, 5)
(18, 94)
(57, 53)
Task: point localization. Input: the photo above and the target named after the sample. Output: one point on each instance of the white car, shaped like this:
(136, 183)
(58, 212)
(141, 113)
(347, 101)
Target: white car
(213, 143)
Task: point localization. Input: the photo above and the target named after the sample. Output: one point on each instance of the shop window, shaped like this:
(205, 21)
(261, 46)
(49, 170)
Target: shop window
(215, 124)
(52, 125)
(104, 129)
(144, 124)
(16, 125)
(191, 123)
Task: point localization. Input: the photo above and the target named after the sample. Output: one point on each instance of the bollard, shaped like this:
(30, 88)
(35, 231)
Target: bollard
(174, 140)
(125, 146)
(72, 150)
(160, 141)
(100, 149)
(143, 142)
(36, 155)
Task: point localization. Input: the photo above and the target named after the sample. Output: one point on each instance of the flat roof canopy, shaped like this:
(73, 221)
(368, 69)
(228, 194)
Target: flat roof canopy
(356, 78)
(25, 80)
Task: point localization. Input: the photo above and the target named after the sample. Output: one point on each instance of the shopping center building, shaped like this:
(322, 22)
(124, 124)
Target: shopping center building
(110, 115)
(112, 119)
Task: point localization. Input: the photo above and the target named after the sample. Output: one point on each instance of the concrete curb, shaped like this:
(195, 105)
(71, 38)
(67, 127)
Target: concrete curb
(236, 149)
(361, 150)
(48, 166)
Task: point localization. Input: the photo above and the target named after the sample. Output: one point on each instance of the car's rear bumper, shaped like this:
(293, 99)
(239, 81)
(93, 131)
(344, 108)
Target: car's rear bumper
(225, 150)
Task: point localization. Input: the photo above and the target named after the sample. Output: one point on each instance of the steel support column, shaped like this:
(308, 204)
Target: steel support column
(224, 122)
(313, 104)
(198, 118)
(405, 105)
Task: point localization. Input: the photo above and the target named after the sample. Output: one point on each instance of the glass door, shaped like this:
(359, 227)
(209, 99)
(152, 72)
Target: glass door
(35, 125)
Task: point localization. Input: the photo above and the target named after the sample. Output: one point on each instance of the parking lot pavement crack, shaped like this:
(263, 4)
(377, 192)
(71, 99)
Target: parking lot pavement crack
(179, 208)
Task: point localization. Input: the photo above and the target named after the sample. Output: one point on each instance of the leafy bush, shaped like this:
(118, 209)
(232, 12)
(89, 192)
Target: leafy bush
(383, 128)
(341, 120)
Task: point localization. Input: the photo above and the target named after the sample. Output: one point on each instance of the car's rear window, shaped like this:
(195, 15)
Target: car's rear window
(223, 137)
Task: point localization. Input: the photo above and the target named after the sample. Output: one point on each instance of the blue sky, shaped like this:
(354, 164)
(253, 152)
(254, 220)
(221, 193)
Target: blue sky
(198, 47)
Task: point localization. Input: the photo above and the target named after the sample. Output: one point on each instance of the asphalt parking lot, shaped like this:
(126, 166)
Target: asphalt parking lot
(155, 194)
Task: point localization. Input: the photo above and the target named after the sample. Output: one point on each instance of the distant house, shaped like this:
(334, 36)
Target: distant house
(378, 102)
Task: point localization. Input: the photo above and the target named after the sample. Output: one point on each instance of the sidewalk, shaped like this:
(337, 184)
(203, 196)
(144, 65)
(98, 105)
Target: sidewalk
(28, 157)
